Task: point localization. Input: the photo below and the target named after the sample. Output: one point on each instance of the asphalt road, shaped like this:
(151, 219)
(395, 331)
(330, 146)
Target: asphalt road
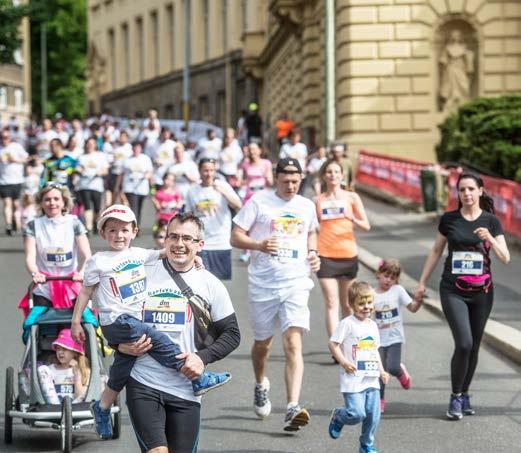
(413, 422)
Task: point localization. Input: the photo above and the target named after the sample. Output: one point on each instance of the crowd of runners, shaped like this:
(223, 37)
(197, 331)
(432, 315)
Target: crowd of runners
(63, 182)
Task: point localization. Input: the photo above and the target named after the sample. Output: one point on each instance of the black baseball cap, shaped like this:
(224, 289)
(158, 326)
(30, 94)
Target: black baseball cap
(284, 166)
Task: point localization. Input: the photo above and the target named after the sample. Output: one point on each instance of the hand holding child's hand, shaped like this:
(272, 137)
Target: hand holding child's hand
(198, 263)
(384, 376)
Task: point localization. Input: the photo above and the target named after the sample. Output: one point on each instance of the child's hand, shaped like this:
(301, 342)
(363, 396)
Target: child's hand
(349, 367)
(77, 333)
(198, 263)
(384, 376)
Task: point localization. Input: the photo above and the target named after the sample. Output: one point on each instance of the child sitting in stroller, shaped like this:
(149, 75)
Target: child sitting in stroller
(69, 373)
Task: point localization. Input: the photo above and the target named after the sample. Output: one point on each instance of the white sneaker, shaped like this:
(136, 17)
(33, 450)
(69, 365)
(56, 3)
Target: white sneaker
(261, 402)
(296, 418)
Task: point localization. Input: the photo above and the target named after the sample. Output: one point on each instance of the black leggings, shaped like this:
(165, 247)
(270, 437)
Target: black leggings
(135, 202)
(467, 314)
(391, 357)
(162, 420)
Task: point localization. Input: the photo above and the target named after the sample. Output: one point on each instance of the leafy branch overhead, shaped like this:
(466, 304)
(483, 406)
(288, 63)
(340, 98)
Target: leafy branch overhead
(485, 133)
(10, 37)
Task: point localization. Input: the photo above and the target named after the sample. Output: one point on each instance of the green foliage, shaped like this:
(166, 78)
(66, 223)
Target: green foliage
(485, 133)
(66, 28)
(10, 19)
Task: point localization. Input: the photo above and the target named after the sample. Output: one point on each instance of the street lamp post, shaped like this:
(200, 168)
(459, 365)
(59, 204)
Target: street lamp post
(186, 67)
(43, 58)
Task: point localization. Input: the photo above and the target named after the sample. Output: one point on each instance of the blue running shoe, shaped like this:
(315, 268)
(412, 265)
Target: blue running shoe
(455, 412)
(465, 405)
(367, 449)
(209, 381)
(103, 420)
(335, 425)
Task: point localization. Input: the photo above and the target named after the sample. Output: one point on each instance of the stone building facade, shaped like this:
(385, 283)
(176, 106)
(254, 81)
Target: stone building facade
(15, 83)
(400, 66)
(136, 57)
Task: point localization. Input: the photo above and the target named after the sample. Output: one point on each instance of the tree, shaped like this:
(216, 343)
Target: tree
(10, 18)
(66, 28)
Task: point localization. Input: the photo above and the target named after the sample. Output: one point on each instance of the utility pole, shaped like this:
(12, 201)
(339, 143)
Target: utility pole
(43, 58)
(186, 67)
(330, 71)
(227, 67)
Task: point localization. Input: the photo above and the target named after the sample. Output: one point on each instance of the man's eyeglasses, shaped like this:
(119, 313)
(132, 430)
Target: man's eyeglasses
(185, 238)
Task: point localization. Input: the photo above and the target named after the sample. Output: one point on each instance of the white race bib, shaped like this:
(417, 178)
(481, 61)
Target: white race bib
(467, 263)
(387, 317)
(332, 209)
(166, 311)
(132, 284)
(367, 361)
(58, 257)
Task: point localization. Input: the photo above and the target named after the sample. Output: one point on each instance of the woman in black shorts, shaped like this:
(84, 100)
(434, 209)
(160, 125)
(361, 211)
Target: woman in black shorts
(339, 212)
(466, 289)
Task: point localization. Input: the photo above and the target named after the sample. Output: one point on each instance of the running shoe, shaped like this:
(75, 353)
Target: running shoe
(103, 420)
(209, 381)
(367, 449)
(465, 404)
(335, 425)
(404, 378)
(382, 405)
(296, 418)
(454, 412)
(261, 402)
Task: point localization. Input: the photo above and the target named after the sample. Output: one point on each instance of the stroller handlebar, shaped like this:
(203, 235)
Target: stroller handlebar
(47, 279)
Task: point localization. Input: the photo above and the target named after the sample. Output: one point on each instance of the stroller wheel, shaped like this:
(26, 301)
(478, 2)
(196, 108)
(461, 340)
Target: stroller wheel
(66, 425)
(9, 404)
(116, 421)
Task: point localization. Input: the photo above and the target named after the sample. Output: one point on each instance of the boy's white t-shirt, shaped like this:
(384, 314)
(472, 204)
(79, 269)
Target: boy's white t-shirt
(354, 335)
(266, 214)
(121, 280)
(388, 314)
(212, 208)
(167, 310)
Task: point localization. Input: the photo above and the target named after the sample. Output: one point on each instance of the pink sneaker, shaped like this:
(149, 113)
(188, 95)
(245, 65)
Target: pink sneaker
(382, 405)
(404, 378)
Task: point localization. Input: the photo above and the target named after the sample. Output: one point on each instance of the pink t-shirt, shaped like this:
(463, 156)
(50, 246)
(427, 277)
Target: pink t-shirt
(255, 176)
(168, 202)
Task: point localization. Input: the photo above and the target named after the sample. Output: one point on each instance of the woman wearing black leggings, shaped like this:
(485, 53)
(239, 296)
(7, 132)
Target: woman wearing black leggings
(466, 289)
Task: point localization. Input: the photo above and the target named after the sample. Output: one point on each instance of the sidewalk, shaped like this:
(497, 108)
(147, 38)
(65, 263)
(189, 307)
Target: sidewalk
(408, 237)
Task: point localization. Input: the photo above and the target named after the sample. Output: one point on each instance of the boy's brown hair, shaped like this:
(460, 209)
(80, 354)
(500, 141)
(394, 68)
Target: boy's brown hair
(358, 290)
(390, 266)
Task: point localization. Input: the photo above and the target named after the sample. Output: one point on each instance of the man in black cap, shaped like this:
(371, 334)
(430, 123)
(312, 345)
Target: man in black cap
(280, 229)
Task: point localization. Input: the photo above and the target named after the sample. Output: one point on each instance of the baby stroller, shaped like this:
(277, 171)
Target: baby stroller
(27, 402)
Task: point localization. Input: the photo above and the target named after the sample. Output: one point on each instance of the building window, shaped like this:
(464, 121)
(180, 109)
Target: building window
(18, 99)
(139, 47)
(170, 34)
(221, 108)
(206, 31)
(126, 52)
(3, 97)
(203, 108)
(169, 111)
(112, 57)
(154, 34)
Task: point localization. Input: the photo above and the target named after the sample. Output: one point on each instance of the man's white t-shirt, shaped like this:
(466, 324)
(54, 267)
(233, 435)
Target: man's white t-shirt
(134, 170)
(121, 280)
(44, 142)
(297, 151)
(12, 172)
(177, 323)
(357, 339)
(212, 208)
(118, 156)
(93, 164)
(209, 149)
(388, 314)
(230, 159)
(265, 215)
(162, 158)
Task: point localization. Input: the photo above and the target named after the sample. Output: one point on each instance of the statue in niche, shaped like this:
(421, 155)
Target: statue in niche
(457, 69)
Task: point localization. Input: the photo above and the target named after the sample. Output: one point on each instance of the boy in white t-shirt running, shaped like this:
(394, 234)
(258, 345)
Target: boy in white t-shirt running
(389, 300)
(116, 280)
(354, 344)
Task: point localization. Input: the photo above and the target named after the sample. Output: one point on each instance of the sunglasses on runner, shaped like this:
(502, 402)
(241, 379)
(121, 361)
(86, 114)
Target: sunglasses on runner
(185, 238)
(54, 185)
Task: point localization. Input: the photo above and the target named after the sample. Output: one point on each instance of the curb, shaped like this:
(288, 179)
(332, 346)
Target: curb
(502, 338)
